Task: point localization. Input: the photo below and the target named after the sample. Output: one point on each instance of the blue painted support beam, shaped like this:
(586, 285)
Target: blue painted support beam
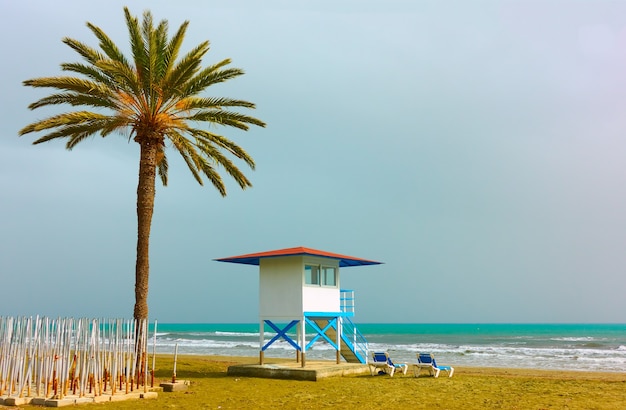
(281, 333)
(322, 332)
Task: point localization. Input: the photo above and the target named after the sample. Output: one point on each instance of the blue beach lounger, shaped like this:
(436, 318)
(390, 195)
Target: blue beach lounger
(427, 361)
(382, 361)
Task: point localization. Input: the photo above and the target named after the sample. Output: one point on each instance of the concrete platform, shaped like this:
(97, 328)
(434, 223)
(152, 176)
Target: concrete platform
(178, 385)
(72, 400)
(314, 370)
(15, 401)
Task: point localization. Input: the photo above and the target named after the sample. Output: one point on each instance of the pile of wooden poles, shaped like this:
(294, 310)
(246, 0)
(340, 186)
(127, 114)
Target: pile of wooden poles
(54, 358)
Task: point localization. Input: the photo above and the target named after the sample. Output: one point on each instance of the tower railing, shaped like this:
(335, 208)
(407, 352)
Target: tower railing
(347, 301)
(350, 333)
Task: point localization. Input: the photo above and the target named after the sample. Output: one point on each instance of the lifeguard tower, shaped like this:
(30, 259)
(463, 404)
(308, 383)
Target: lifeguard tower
(299, 287)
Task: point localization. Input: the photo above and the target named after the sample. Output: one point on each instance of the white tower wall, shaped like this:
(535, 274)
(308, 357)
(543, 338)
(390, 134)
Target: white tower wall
(283, 293)
(279, 284)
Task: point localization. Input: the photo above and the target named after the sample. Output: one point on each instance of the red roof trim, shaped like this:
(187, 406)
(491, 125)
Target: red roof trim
(254, 258)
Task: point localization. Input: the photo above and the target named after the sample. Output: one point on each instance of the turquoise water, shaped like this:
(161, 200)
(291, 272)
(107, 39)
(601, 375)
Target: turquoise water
(594, 347)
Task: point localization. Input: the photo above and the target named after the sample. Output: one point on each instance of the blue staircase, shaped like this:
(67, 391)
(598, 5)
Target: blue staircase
(354, 346)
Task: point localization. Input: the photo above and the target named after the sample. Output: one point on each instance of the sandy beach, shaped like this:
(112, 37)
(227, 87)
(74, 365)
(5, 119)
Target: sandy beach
(469, 388)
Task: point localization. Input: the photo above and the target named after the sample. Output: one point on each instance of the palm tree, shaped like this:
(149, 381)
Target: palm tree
(153, 99)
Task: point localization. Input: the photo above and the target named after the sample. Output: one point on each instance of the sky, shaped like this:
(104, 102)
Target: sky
(477, 148)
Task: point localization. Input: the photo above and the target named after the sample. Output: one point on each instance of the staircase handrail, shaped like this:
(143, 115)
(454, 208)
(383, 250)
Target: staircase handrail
(355, 339)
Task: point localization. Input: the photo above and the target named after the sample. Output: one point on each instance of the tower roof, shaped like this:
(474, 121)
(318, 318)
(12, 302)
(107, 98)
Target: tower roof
(254, 258)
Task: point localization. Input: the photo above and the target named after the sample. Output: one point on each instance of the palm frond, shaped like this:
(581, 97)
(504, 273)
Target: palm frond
(213, 176)
(74, 99)
(107, 45)
(207, 78)
(74, 132)
(90, 71)
(161, 51)
(77, 133)
(89, 54)
(63, 132)
(187, 151)
(123, 76)
(75, 84)
(162, 166)
(173, 48)
(222, 117)
(197, 157)
(184, 70)
(206, 137)
(150, 50)
(192, 103)
(115, 123)
(210, 152)
(62, 120)
(76, 138)
(218, 65)
(137, 46)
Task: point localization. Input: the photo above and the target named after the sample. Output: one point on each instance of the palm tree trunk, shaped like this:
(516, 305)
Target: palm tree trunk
(145, 208)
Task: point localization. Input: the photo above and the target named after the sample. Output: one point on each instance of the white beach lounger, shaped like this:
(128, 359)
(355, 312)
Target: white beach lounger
(427, 361)
(382, 361)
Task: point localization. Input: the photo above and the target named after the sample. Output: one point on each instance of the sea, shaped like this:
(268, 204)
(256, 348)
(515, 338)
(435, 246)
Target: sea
(578, 347)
